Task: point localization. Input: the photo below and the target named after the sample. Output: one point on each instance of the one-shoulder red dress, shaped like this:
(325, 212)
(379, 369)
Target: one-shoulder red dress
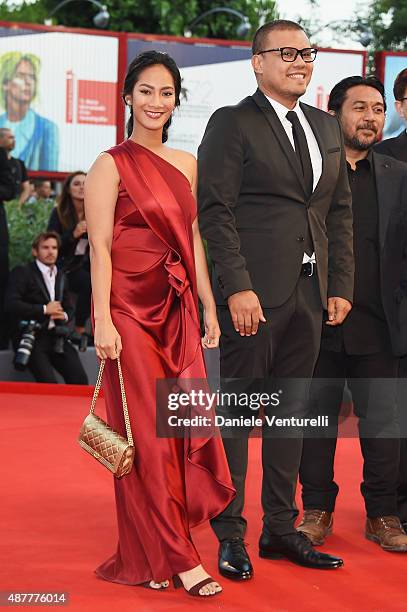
(175, 483)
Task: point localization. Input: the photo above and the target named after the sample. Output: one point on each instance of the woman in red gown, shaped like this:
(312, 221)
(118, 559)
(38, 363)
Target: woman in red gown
(148, 267)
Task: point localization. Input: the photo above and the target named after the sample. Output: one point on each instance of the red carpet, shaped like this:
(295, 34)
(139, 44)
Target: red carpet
(58, 524)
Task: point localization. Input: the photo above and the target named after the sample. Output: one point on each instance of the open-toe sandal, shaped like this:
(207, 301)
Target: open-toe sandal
(194, 590)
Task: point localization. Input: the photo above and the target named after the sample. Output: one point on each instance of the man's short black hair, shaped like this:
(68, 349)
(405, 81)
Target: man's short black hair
(262, 33)
(338, 94)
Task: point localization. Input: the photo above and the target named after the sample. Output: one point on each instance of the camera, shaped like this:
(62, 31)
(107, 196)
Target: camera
(80, 340)
(26, 344)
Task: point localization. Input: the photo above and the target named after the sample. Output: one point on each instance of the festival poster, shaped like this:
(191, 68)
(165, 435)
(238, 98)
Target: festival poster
(58, 97)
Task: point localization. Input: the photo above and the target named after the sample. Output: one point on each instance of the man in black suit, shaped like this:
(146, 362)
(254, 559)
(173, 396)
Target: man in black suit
(38, 292)
(275, 209)
(397, 148)
(14, 184)
(7, 191)
(16, 166)
(364, 350)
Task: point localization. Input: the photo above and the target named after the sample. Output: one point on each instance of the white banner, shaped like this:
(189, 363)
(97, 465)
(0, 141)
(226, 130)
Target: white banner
(59, 97)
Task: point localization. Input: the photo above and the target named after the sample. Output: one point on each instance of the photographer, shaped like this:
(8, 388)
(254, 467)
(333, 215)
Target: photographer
(14, 184)
(16, 166)
(6, 193)
(37, 303)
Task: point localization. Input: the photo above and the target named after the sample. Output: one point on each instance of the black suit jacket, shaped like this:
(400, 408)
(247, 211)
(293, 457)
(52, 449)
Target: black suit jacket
(254, 211)
(7, 191)
(27, 293)
(7, 187)
(395, 147)
(391, 183)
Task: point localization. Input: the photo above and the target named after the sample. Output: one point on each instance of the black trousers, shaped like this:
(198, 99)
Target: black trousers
(4, 326)
(43, 359)
(79, 282)
(372, 380)
(402, 406)
(285, 347)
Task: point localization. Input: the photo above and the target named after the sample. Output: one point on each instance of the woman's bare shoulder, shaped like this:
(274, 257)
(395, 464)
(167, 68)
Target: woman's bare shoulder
(184, 156)
(105, 158)
(104, 163)
(184, 161)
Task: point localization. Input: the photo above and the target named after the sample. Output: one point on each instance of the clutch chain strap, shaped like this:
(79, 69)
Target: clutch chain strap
(123, 393)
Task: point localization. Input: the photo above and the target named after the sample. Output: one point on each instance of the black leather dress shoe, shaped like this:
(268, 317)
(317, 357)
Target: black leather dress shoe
(234, 562)
(297, 548)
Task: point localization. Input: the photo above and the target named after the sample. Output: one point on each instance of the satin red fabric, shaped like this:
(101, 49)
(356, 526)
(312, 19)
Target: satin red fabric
(175, 483)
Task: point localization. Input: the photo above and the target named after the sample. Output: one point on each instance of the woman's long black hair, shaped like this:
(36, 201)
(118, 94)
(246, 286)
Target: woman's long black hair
(65, 207)
(141, 62)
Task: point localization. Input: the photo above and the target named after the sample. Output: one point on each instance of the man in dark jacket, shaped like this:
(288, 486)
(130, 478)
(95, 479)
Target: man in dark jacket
(14, 184)
(275, 209)
(38, 293)
(365, 349)
(6, 193)
(397, 148)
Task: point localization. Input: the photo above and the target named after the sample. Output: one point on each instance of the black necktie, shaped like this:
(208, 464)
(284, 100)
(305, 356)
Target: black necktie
(301, 150)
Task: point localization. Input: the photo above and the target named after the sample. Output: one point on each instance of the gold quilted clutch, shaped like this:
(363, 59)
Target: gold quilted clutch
(101, 441)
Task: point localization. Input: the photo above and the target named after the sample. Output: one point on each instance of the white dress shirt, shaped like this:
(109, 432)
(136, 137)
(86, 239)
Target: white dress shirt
(49, 274)
(314, 152)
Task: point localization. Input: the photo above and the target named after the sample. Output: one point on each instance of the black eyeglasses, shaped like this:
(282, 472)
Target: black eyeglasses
(290, 54)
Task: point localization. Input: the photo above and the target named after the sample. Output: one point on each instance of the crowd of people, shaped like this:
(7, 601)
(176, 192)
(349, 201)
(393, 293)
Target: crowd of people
(47, 300)
(305, 217)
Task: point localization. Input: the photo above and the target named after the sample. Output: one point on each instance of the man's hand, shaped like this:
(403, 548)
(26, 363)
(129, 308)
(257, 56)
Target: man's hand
(54, 310)
(246, 312)
(338, 309)
(60, 316)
